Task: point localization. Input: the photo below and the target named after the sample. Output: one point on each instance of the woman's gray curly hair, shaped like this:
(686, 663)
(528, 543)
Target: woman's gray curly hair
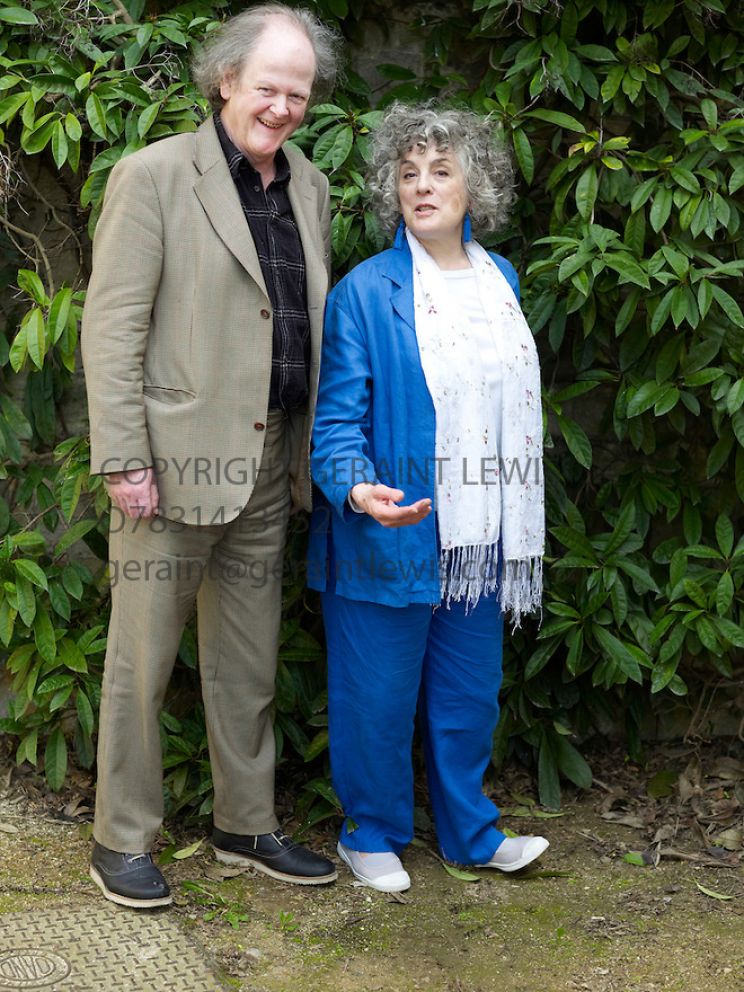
(225, 52)
(489, 177)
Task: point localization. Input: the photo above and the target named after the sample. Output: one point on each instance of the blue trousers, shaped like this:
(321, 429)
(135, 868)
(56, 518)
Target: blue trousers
(384, 663)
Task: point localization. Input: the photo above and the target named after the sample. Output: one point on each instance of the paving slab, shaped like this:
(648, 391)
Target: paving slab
(109, 950)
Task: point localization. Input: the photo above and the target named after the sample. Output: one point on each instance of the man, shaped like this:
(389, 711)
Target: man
(201, 339)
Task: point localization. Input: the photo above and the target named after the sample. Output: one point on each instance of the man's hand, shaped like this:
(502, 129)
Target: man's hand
(380, 502)
(134, 492)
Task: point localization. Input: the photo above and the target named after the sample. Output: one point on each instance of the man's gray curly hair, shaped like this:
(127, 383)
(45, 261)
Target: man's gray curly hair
(225, 52)
(489, 177)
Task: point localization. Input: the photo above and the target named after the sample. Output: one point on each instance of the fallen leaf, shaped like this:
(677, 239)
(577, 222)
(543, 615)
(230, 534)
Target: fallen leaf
(634, 858)
(8, 828)
(729, 769)
(460, 875)
(217, 873)
(689, 781)
(730, 839)
(187, 852)
(624, 819)
(713, 895)
(85, 831)
(662, 784)
(76, 808)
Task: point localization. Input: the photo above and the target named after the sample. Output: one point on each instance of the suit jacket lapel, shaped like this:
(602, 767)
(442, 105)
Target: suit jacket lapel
(219, 197)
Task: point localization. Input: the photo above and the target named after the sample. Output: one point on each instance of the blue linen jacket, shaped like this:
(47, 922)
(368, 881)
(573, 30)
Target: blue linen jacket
(375, 422)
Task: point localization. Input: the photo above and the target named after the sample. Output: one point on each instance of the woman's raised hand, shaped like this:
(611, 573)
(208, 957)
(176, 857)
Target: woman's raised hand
(380, 502)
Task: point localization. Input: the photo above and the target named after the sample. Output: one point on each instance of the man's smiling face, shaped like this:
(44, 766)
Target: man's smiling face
(266, 103)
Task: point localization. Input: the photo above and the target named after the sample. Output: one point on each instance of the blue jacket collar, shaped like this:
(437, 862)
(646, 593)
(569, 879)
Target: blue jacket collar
(399, 269)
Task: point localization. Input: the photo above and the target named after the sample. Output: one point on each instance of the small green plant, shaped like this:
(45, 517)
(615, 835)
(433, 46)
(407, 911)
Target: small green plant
(287, 922)
(216, 906)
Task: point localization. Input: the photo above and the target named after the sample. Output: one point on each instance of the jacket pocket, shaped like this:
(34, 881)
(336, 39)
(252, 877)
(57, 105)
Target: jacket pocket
(168, 395)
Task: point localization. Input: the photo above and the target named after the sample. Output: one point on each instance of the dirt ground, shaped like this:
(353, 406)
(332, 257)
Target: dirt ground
(587, 918)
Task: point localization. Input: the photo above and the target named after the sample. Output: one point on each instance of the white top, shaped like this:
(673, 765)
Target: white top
(463, 289)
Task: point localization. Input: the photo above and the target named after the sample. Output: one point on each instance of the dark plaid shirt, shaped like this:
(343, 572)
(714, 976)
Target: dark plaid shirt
(277, 240)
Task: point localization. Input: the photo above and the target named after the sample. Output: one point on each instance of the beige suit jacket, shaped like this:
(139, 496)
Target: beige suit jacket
(177, 326)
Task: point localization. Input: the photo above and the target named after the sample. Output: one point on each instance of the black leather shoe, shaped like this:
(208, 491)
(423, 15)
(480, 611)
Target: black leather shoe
(129, 879)
(276, 855)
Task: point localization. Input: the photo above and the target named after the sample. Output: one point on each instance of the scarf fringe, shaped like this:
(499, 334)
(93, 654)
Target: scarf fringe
(521, 587)
(468, 573)
(473, 571)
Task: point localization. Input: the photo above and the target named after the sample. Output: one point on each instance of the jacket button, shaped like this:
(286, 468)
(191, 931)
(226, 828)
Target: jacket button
(265, 314)
(259, 426)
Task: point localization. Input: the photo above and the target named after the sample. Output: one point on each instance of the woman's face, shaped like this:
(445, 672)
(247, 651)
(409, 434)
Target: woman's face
(432, 193)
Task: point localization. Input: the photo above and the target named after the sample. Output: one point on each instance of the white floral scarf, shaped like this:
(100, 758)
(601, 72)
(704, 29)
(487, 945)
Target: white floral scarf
(501, 508)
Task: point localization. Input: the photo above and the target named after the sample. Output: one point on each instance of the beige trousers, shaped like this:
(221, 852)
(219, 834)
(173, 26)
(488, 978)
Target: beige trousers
(159, 568)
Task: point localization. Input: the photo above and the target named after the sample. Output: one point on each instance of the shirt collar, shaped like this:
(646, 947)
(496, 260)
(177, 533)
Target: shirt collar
(236, 160)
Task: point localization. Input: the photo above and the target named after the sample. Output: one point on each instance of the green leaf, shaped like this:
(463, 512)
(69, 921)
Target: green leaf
(71, 656)
(661, 208)
(55, 759)
(17, 15)
(59, 313)
(10, 106)
(147, 118)
(731, 631)
(523, 154)
(96, 115)
(70, 537)
(644, 398)
(72, 582)
(576, 440)
(712, 894)
(33, 572)
(557, 118)
(27, 750)
(548, 783)
(60, 145)
(32, 285)
(70, 494)
(26, 600)
(19, 349)
(341, 147)
(686, 179)
(735, 397)
(634, 858)
(627, 268)
(724, 593)
(316, 746)
(571, 764)
(188, 852)
(725, 535)
(728, 304)
(46, 643)
(73, 128)
(619, 653)
(586, 192)
(33, 323)
(85, 715)
(460, 875)
(626, 522)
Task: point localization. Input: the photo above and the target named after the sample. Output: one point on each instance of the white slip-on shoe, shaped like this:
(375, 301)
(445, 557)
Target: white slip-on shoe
(514, 853)
(382, 871)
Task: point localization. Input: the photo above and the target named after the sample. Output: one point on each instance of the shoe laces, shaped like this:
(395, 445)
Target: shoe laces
(131, 858)
(282, 840)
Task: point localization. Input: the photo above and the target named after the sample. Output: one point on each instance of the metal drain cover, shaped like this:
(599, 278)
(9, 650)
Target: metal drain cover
(99, 950)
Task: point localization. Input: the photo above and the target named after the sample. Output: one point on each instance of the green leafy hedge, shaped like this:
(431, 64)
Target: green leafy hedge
(629, 140)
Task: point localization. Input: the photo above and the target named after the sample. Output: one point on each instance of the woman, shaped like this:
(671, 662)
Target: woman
(428, 453)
